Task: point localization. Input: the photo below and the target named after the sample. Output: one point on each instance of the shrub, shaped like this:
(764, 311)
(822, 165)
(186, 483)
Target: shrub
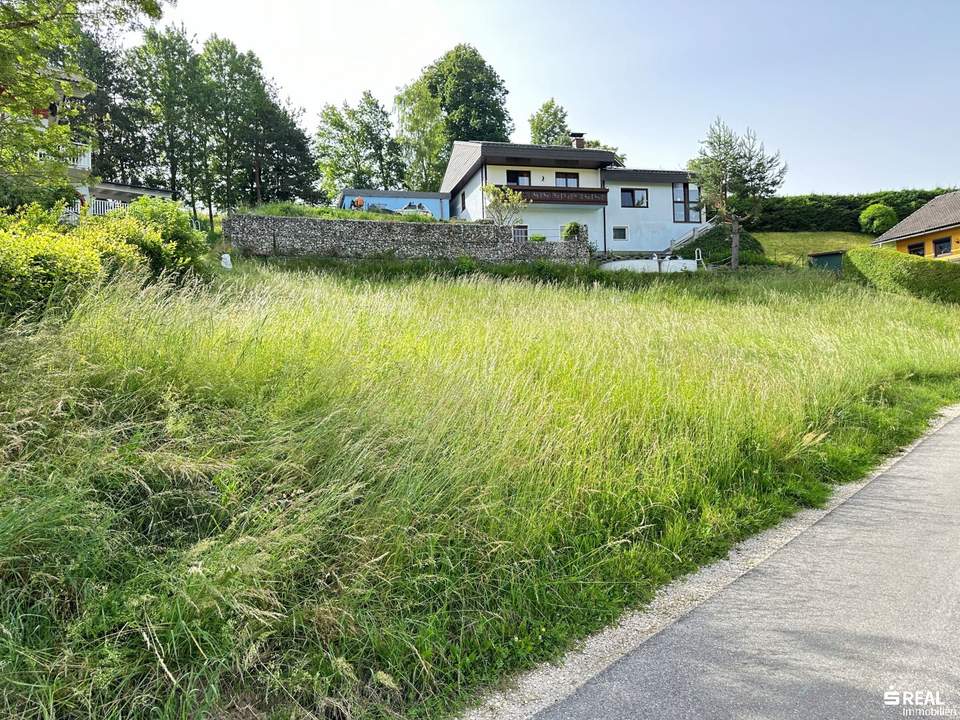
(123, 241)
(878, 218)
(504, 205)
(187, 246)
(715, 247)
(902, 273)
(537, 237)
(40, 258)
(800, 213)
(573, 230)
(38, 262)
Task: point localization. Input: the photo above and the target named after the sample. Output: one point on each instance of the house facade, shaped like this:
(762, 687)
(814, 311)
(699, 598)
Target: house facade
(933, 231)
(624, 210)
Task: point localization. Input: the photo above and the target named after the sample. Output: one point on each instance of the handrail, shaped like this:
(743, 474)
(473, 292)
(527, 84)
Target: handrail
(694, 233)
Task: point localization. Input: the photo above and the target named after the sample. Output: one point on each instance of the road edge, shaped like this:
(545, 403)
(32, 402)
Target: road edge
(534, 690)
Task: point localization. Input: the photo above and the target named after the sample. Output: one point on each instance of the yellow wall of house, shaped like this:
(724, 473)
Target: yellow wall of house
(927, 240)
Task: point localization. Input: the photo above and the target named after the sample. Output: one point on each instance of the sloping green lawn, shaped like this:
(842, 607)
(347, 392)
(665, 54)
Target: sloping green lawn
(318, 495)
(792, 247)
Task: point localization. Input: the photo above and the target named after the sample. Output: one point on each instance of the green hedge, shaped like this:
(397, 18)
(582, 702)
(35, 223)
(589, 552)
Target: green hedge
(715, 247)
(903, 273)
(41, 259)
(804, 213)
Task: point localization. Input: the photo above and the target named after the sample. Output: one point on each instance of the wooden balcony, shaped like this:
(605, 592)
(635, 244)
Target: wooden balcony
(549, 195)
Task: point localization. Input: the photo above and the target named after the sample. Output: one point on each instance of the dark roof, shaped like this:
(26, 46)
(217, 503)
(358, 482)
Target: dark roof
(825, 253)
(466, 157)
(651, 176)
(107, 188)
(940, 213)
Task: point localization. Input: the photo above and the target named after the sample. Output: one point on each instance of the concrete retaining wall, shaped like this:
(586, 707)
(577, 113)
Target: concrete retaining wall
(298, 237)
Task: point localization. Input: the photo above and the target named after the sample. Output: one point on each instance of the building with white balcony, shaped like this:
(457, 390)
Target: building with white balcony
(625, 210)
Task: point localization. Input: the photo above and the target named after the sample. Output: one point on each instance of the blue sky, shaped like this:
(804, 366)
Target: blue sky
(857, 96)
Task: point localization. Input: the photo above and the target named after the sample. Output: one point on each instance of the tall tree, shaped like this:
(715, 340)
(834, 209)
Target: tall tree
(735, 174)
(162, 66)
(384, 150)
(114, 121)
(282, 166)
(422, 135)
(471, 94)
(197, 135)
(355, 148)
(548, 125)
(237, 81)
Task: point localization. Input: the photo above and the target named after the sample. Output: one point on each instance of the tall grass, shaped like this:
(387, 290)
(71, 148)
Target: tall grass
(302, 495)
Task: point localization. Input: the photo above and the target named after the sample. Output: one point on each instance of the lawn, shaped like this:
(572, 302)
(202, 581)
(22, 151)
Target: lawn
(319, 494)
(324, 212)
(791, 248)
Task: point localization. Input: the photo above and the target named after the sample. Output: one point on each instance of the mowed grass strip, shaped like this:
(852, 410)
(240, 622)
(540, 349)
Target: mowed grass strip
(792, 248)
(302, 495)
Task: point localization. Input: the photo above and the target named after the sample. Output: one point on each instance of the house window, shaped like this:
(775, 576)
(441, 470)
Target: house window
(620, 232)
(520, 233)
(915, 249)
(686, 203)
(463, 203)
(941, 247)
(518, 177)
(634, 198)
(568, 179)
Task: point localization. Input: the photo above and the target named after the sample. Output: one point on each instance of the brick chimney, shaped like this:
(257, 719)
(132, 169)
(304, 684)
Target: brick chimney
(576, 139)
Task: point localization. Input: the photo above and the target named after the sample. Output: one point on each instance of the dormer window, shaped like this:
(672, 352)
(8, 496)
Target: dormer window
(518, 177)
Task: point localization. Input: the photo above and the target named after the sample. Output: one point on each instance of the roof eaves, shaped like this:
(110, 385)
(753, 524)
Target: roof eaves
(906, 236)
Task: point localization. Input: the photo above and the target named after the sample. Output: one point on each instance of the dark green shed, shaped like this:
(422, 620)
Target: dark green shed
(829, 260)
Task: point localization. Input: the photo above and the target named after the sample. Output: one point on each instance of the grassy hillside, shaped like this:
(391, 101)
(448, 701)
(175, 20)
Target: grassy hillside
(301, 495)
(791, 248)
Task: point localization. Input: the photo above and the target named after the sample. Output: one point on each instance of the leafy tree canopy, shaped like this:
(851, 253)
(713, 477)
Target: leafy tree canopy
(471, 94)
(598, 145)
(548, 125)
(39, 74)
(422, 134)
(355, 148)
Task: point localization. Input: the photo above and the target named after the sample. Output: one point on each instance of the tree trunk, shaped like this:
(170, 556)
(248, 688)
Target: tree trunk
(257, 180)
(735, 243)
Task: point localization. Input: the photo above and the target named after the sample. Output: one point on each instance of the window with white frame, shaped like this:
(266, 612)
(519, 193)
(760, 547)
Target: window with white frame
(620, 232)
(520, 233)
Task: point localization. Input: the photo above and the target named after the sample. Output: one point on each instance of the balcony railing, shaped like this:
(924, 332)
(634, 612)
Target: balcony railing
(96, 206)
(83, 160)
(548, 194)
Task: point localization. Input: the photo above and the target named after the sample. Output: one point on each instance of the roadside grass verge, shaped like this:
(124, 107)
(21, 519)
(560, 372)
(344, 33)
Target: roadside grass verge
(792, 248)
(310, 494)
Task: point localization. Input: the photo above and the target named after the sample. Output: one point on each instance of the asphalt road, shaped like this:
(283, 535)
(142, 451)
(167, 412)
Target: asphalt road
(864, 602)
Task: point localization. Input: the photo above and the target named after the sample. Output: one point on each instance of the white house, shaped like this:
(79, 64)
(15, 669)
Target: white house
(624, 210)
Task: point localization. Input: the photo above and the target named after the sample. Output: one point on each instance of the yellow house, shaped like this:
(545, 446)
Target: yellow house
(933, 231)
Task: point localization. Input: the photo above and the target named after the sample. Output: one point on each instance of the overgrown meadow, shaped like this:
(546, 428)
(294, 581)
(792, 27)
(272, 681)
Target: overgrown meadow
(292, 494)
